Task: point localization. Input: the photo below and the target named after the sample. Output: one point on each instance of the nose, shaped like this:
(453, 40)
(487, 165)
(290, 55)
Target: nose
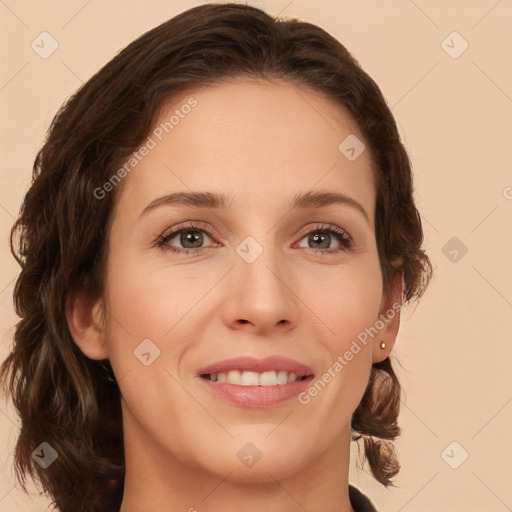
(260, 296)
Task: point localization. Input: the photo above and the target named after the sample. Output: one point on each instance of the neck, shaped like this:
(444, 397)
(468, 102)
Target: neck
(157, 480)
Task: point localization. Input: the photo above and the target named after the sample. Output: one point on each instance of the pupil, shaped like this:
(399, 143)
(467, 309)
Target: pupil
(192, 236)
(317, 236)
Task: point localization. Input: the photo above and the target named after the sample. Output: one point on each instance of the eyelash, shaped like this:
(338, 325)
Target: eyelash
(343, 238)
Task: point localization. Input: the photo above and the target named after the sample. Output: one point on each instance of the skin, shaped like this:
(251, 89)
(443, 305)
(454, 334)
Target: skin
(259, 143)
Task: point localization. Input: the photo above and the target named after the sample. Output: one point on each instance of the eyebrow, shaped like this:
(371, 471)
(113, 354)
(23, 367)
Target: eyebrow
(216, 200)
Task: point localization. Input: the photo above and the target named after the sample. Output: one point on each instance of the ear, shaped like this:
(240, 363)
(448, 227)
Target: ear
(389, 315)
(85, 321)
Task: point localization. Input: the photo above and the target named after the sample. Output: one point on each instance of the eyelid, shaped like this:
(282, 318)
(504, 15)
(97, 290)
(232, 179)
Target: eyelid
(323, 226)
(191, 225)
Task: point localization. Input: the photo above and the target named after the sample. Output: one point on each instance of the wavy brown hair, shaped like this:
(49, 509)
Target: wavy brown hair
(60, 237)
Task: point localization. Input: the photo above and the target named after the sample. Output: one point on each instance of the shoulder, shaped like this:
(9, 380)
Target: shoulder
(359, 501)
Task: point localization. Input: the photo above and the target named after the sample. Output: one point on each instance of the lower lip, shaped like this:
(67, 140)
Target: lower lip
(257, 397)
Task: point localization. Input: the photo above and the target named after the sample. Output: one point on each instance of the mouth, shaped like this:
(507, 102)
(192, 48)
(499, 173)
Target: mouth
(256, 383)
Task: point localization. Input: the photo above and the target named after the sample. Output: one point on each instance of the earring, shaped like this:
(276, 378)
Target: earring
(382, 345)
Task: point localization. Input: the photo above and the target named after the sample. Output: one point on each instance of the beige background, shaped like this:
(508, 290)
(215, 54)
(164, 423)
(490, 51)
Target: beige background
(455, 116)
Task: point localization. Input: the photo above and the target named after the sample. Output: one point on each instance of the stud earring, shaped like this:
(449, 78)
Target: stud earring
(382, 345)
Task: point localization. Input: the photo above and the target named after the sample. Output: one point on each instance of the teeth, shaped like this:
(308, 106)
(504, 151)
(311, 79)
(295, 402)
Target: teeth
(282, 377)
(234, 377)
(250, 379)
(271, 378)
(268, 378)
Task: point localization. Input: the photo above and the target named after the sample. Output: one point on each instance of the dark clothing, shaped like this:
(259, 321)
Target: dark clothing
(359, 501)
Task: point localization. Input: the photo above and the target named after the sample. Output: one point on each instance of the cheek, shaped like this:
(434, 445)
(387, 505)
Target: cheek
(348, 300)
(147, 338)
(149, 301)
(162, 304)
(350, 308)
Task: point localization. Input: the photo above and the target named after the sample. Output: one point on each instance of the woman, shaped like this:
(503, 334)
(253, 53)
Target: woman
(215, 249)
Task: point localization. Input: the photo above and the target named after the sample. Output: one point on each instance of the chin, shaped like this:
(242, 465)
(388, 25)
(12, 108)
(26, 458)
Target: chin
(246, 463)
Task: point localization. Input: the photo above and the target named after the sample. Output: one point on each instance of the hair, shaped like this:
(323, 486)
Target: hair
(61, 234)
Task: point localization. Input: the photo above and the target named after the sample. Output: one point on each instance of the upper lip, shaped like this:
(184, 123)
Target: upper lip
(252, 364)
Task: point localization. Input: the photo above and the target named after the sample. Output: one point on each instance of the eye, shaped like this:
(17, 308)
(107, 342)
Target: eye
(191, 238)
(320, 238)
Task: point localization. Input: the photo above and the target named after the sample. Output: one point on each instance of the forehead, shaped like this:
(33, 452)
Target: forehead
(251, 140)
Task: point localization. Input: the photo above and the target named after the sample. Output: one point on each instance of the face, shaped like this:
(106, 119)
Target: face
(283, 288)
